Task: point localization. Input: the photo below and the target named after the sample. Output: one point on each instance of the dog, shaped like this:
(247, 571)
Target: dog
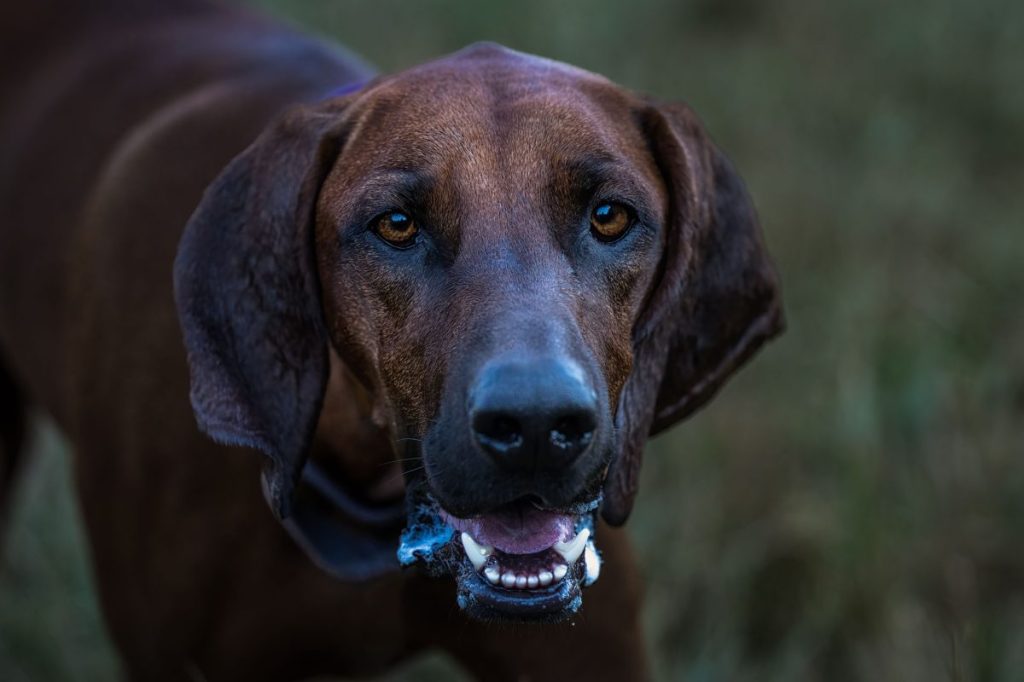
(447, 307)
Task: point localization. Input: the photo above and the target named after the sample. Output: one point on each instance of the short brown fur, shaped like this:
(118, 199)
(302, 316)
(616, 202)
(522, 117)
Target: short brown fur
(113, 130)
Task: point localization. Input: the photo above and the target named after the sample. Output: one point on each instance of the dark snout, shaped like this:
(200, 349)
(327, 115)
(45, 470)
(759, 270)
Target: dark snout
(533, 415)
(525, 426)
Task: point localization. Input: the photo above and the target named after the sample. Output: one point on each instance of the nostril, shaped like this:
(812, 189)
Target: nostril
(498, 432)
(534, 414)
(505, 429)
(573, 432)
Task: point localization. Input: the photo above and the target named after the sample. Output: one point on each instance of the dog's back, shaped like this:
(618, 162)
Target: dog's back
(89, 96)
(113, 120)
(64, 107)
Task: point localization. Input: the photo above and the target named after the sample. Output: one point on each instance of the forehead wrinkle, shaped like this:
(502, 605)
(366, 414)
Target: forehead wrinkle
(497, 135)
(402, 122)
(548, 127)
(395, 189)
(533, 133)
(491, 96)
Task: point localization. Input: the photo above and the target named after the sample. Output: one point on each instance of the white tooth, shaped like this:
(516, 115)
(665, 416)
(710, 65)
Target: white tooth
(592, 562)
(532, 581)
(492, 574)
(508, 580)
(476, 552)
(560, 571)
(521, 582)
(571, 550)
(546, 577)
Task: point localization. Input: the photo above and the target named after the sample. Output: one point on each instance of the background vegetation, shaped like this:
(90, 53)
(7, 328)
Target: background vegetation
(852, 506)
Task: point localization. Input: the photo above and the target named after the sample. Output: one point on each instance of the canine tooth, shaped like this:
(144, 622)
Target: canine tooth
(572, 550)
(560, 571)
(508, 580)
(476, 552)
(492, 574)
(545, 578)
(532, 581)
(521, 582)
(592, 562)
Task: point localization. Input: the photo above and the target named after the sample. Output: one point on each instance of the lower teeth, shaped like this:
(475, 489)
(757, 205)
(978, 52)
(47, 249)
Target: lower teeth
(520, 581)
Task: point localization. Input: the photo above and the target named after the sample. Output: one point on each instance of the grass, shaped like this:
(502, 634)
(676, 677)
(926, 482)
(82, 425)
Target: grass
(851, 507)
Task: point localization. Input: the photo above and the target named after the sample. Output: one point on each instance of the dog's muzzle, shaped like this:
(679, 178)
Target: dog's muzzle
(515, 564)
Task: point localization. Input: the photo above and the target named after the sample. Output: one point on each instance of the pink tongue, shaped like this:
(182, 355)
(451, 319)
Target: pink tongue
(516, 530)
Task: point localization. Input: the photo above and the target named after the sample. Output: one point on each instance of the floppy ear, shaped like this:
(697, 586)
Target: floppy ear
(716, 301)
(248, 296)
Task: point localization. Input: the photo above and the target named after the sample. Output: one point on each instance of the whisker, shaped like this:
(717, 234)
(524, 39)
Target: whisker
(399, 460)
(389, 479)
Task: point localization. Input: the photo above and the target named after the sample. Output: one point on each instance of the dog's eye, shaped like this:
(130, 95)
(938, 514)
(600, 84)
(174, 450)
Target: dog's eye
(610, 220)
(396, 228)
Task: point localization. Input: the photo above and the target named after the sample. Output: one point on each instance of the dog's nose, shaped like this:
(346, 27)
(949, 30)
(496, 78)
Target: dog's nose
(533, 414)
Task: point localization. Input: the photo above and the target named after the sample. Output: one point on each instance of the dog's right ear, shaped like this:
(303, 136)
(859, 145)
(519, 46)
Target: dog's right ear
(717, 302)
(248, 296)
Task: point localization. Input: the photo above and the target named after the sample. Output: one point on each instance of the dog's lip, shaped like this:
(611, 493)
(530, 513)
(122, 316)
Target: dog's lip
(484, 601)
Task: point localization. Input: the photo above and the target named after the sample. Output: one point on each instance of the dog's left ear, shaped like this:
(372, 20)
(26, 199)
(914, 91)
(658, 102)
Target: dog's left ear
(716, 301)
(248, 295)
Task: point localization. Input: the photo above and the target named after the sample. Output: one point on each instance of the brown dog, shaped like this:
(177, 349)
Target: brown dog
(495, 272)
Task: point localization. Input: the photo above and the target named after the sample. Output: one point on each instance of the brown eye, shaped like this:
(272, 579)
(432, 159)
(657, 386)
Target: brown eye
(396, 228)
(610, 220)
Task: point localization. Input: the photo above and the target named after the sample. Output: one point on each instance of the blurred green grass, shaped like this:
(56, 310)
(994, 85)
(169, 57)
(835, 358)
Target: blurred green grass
(851, 507)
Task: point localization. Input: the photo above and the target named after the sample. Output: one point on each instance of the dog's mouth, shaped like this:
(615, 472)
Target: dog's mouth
(518, 563)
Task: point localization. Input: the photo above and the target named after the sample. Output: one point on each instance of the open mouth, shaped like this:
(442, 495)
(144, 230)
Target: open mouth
(525, 548)
(515, 563)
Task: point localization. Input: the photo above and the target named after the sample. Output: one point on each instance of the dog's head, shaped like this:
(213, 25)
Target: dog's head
(530, 269)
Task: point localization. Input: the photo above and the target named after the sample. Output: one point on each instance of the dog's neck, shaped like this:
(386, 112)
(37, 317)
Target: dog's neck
(349, 445)
(349, 506)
